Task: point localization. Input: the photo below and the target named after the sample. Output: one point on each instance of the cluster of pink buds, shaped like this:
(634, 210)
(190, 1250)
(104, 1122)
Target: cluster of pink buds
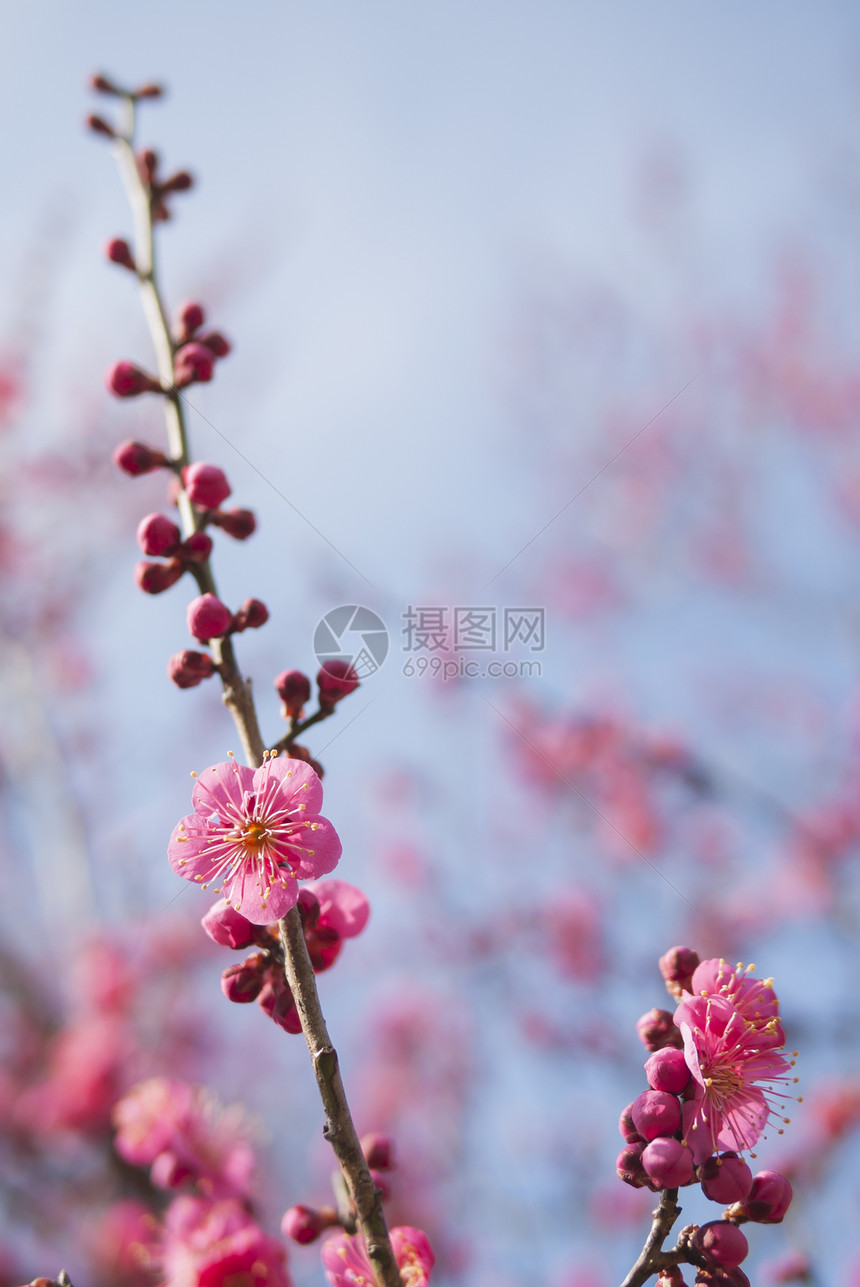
(304, 1224)
(195, 352)
(331, 911)
(712, 1078)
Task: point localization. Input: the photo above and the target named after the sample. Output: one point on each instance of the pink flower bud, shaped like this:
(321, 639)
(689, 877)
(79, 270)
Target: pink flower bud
(189, 319)
(227, 927)
(238, 523)
(155, 578)
(677, 967)
(627, 1129)
(670, 1277)
(149, 91)
(336, 679)
(196, 549)
(187, 669)
(657, 1029)
(136, 458)
(193, 364)
(208, 618)
(655, 1113)
(219, 345)
(157, 535)
(667, 1070)
(294, 689)
(769, 1198)
(206, 485)
(630, 1169)
(252, 614)
(118, 251)
(277, 1001)
(125, 380)
(723, 1243)
(147, 163)
(725, 1178)
(304, 1224)
(668, 1162)
(244, 981)
(378, 1151)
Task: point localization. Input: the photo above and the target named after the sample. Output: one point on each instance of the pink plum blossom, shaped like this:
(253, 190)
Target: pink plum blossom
(209, 1244)
(754, 999)
(733, 1061)
(346, 1263)
(258, 832)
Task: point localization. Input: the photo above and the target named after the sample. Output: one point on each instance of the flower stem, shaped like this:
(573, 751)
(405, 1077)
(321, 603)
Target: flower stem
(238, 698)
(652, 1258)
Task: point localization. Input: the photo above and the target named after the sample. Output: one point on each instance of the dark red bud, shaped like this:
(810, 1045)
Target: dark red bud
(125, 380)
(118, 251)
(215, 341)
(188, 668)
(238, 523)
(189, 319)
(324, 946)
(179, 182)
(148, 164)
(196, 549)
(305, 1224)
(102, 85)
(335, 681)
(149, 91)
(309, 908)
(252, 614)
(99, 125)
(677, 967)
(136, 458)
(154, 578)
(294, 689)
(244, 982)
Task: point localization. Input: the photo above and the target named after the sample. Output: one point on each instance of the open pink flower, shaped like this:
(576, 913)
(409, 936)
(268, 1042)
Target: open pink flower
(754, 998)
(346, 1263)
(258, 832)
(210, 1244)
(735, 1066)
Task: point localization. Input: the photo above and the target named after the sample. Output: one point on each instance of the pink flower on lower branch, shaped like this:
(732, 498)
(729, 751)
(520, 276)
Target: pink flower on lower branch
(346, 1263)
(732, 1060)
(211, 1244)
(258, 832)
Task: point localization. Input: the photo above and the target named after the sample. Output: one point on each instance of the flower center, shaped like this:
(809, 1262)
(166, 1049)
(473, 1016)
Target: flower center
(254, 835)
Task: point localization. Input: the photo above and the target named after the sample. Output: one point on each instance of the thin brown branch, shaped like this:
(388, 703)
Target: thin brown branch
(238, 698)
(652, 1258)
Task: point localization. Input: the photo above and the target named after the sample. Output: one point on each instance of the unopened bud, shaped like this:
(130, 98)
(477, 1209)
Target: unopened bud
(208, 618)
(677, 967)
(655, 1113)
(305, 1224)
(630, 1169)
(196, 548)
(125, 380)
(155, 578)
(244, 981)
(324, 946)
(657, 1029)
(118, 251)
(102, 85)
(309, 908)
(250, 616)
(378, 1151)
(238, 523)
(193, 364)
(187, 669)
(148, 164)
(99, 125)
(190, 318)
(768, 1199)
(668, 1162)
(294, 689)
(382, 1183)
(136, 458)
(219, 345)
(227, 927)
(158, 535)
(179, 182)
(725, 1178)
(667, 1070)
(628, 1131)
(723, 1243)
(149, 91)
(336, 679)
(206, 485)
